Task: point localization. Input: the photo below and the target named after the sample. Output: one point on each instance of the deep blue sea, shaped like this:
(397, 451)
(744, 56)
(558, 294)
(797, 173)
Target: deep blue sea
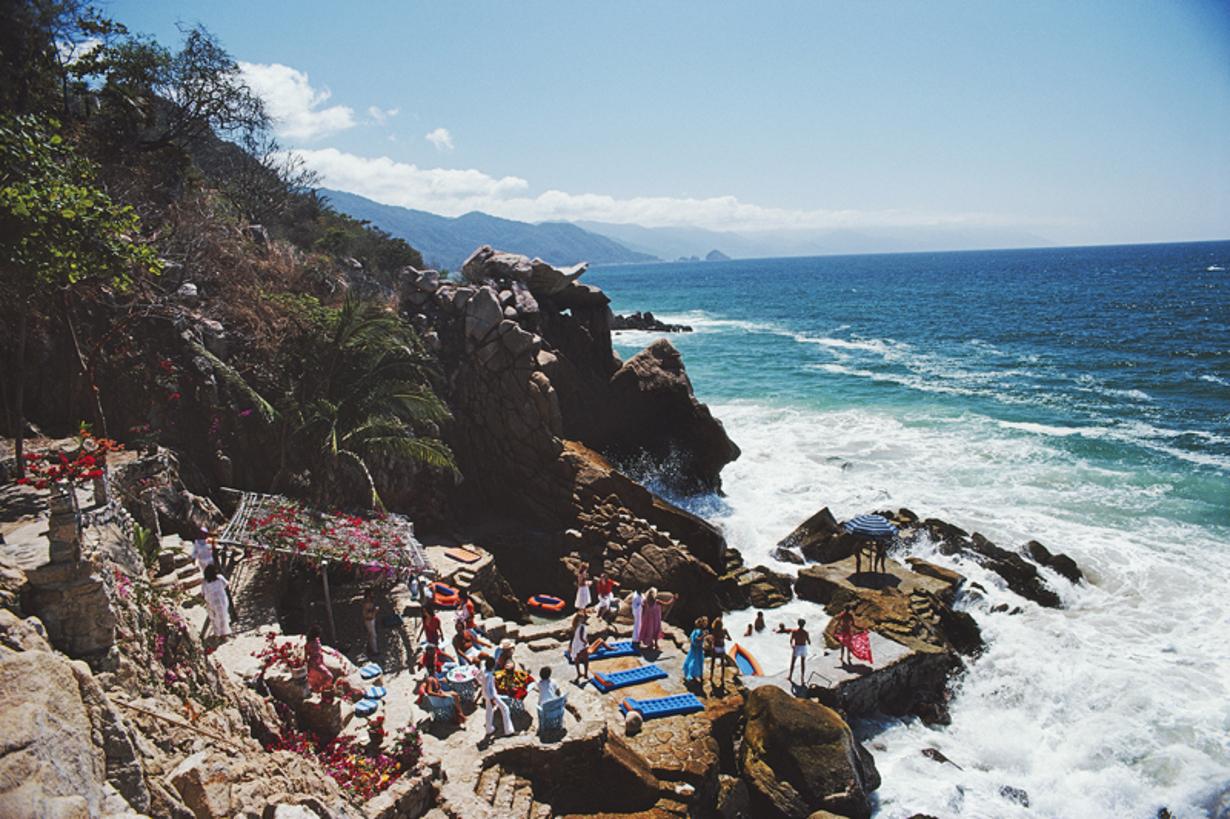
(1077, 396)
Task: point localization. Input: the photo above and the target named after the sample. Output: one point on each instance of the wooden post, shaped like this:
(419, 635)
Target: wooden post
(324, 576)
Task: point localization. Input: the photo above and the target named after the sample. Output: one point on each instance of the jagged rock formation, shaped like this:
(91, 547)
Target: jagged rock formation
(537, 393)
(1020, 575)
(646, 321)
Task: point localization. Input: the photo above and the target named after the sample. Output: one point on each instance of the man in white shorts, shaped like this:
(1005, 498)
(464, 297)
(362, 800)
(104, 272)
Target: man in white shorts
(799, 641)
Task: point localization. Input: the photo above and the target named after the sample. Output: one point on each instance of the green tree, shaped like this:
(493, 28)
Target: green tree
(57, 230)
(364, 393)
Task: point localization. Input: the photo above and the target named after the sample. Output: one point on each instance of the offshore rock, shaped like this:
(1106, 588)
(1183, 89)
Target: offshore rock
(658, 415)
(646, 321)
(799, 757)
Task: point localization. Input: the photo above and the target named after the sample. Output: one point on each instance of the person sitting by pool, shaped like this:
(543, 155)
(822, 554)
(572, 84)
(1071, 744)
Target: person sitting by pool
(504, 653)
(605, 589)
(319, 677)
(547, 689)
(431, 686)
(432, 660)
(465, 611)
(465, 649)
(512, 681)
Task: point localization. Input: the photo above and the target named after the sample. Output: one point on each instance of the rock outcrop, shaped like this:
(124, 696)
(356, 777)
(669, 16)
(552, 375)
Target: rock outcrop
(800, 757)
(659, 417)
(1018, 573)
(537, 393)
(646, 321)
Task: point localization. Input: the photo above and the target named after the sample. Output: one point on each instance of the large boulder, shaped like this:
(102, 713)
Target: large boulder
(655, 413)
(819, 538)
(800, 756)
(1060, 563)
(64, 749)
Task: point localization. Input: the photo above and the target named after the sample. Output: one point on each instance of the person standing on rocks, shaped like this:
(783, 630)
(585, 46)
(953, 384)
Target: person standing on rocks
(579, 647)
(855, 643)
(799, 641)
(583, 598)
(879, 561)
(719, 635)
(637, 603)
(432, 631)
(370, 610)
(694, 662)
(493, 701)
(217, 602)
(651, 621)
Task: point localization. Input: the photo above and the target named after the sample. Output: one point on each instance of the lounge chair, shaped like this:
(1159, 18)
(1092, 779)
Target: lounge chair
(551, 715)
(663, 706)
(632, 676)
(515, 706)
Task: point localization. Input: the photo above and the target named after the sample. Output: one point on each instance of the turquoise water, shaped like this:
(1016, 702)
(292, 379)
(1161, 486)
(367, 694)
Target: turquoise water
(1077, 396)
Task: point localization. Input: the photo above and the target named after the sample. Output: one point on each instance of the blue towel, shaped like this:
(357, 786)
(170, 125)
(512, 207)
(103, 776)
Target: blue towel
(375, 692)
(365, 708)
(370, 671)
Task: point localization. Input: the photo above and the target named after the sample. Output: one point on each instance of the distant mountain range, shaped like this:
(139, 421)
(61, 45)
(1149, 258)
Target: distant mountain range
(446, 242)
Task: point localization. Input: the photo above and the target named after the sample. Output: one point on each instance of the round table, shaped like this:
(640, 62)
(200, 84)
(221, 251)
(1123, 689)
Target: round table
(464, 680)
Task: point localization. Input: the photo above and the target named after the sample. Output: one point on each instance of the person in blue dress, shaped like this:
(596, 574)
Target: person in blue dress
(694, 663)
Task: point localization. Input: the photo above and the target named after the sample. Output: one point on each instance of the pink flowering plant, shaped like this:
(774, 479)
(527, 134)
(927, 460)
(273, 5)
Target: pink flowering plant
(377, 543)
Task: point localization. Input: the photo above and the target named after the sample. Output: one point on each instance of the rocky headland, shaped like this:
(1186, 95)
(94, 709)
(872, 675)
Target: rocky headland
(159, 720)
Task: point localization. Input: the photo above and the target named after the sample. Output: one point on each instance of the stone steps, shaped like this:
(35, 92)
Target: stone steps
(463, 578)
(509, 794)
(185, 578)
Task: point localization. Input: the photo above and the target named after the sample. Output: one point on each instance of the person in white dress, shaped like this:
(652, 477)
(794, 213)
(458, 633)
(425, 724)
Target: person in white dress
(203, 550)
(579, 647)
(637, 603)
(583, 598)
(492, 698)
(216, 601)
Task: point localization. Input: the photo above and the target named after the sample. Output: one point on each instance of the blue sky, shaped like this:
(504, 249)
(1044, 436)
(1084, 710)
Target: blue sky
(1081, 122)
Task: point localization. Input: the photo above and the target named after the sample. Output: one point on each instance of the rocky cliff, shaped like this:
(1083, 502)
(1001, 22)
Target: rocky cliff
(542, 406)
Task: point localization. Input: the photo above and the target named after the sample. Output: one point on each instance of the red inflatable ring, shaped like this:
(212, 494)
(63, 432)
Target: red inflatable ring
(546, 602)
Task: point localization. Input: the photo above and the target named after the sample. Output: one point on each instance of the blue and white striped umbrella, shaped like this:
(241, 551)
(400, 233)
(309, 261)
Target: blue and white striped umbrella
(872, 526)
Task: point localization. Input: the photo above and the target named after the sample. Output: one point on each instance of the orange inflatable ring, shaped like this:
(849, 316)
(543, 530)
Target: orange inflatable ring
(546, 602)
(444, 595)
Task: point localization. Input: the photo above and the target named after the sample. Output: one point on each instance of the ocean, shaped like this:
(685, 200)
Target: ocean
(1077, 396)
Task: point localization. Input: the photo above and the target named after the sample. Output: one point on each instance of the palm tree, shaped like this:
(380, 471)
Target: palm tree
(364, 394)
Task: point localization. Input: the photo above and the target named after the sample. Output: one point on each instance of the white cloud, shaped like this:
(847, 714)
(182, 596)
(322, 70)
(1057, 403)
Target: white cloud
(441, 138)
(452, 192)
(72, 52)
(381, 115)
(294, 105)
